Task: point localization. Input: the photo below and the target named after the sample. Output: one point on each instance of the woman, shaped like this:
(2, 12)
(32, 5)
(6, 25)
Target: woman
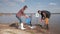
(20, 15)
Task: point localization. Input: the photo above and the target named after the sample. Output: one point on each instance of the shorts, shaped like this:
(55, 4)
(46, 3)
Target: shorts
(46, 20)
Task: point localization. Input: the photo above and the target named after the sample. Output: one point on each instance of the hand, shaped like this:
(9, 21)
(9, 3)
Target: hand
(41, 20)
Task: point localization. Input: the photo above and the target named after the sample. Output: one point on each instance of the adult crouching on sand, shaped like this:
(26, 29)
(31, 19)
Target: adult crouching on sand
(21, 14)
(45, 15)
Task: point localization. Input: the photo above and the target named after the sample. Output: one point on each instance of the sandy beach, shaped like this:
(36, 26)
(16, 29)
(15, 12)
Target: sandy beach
(6, 29)
(54, 24)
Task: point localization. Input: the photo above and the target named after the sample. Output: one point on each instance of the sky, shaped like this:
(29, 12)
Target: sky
(13, 6)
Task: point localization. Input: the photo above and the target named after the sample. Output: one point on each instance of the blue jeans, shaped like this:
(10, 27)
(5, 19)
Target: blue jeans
(19, 19)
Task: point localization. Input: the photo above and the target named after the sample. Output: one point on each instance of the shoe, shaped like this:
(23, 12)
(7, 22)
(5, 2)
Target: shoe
(22, 28)
(32, 27)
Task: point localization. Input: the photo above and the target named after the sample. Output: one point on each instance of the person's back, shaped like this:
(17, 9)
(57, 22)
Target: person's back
(46, 12)
(21, 12)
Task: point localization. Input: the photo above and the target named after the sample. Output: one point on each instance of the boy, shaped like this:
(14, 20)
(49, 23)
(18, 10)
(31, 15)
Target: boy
(28, 21)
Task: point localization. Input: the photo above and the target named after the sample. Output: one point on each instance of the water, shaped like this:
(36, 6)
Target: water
(54, 22)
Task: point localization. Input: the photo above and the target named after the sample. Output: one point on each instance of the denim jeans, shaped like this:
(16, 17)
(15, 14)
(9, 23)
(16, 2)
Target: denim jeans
(19, 19)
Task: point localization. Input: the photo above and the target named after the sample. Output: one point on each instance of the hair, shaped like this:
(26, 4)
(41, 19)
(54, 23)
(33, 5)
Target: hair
(25, 6)
(39, 11)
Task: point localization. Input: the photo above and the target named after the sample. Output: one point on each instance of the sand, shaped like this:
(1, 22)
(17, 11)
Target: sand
(6, 29)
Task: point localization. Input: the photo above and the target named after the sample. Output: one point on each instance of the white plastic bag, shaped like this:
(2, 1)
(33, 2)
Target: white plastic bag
(37, 15)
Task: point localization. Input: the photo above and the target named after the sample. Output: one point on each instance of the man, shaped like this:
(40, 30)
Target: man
(45, 15)
(20, 15)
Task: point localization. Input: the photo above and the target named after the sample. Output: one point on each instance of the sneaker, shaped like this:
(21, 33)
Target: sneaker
(32, 27)
(23, 28)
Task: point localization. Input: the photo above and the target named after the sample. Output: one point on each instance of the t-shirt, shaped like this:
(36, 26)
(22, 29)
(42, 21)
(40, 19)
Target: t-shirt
(20, 13)
(28, 20)
(47, 14)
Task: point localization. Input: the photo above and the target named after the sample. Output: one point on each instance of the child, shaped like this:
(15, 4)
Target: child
(28, 21)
